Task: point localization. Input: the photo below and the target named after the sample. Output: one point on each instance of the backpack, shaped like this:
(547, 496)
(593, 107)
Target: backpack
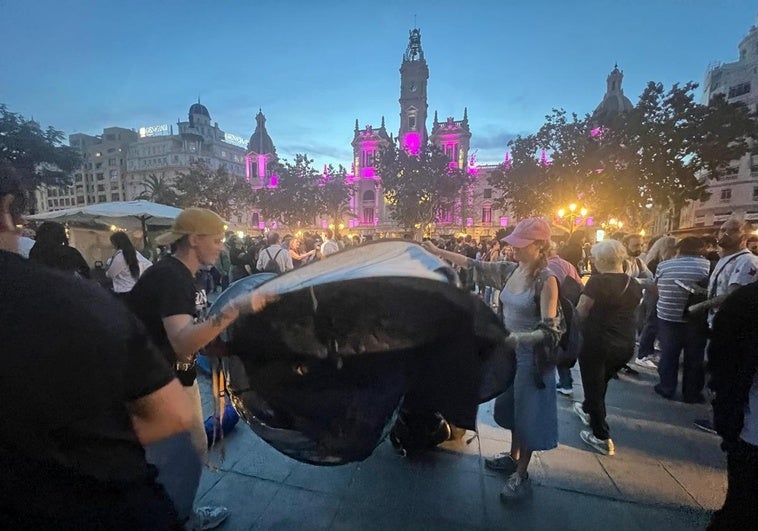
(567, 351)
(415, 432)
(272, 266)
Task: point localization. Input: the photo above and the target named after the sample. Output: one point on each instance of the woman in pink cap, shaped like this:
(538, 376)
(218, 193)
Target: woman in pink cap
(528, 408)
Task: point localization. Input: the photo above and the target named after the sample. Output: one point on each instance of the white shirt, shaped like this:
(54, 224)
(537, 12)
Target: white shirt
(118, 271)
(284, 258)
(730, 271)
(329, 247)
(24, 246)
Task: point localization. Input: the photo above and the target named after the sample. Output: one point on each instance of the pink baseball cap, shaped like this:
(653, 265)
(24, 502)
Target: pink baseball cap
(527, 231)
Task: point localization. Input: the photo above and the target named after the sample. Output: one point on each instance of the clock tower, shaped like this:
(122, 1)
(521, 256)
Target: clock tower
(414, 74)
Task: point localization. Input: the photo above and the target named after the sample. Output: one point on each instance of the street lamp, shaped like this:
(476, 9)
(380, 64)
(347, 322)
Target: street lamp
(573, 215)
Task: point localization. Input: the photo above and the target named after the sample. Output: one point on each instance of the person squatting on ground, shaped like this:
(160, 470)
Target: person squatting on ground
(78, 402)
(678, 331)
(529, 407)
(173, 309)
(606, 309)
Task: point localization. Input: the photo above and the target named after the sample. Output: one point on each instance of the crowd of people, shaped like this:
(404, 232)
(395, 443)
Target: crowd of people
(119, 425)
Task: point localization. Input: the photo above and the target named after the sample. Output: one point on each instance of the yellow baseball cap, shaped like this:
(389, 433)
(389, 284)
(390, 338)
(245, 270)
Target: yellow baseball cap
(193, 221)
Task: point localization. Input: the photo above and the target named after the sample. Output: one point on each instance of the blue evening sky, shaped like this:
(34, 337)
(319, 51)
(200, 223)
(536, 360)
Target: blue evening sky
(314, 66)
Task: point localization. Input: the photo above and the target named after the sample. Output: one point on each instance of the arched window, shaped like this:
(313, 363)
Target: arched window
(369, 195)
(255, 219)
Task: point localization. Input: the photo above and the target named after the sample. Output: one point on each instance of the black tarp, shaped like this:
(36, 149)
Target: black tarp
(320, 373)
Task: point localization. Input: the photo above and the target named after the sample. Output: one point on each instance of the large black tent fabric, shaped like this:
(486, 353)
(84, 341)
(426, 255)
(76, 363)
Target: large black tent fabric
(320, 374)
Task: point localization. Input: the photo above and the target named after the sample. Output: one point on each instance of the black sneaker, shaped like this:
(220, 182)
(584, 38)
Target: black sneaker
(705, 425)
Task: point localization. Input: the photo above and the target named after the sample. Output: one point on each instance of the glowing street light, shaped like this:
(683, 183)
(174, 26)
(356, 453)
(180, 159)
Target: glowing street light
(572, 216)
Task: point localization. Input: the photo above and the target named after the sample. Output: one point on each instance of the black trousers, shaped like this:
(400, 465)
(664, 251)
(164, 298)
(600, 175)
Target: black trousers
(597, 366)
(740, 510)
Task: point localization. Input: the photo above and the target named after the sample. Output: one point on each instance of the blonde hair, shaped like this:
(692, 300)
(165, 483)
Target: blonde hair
(608, 254)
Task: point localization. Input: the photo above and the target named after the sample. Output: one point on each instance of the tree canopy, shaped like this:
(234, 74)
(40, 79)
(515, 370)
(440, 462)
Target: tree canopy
(659, 153)
(158, 190)
(217, 190)
(34, 155)
(419, 187)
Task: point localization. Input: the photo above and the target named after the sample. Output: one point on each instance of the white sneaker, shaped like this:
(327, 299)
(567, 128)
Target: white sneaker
(207, 518)
(645, 362)
(516, 488)
(581, 414)
(605, 447)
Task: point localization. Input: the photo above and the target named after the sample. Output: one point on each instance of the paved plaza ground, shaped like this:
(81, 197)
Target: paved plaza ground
(666, 474)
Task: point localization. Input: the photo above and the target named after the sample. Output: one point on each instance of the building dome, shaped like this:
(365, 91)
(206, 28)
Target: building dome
(199, 108)
(260, 141)
(614, 101)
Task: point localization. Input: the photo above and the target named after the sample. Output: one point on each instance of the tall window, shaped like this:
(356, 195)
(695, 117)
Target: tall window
(368, 215)
(755, 193)
(368, 159)
(412, 123)
(726, 195)
(487, 215)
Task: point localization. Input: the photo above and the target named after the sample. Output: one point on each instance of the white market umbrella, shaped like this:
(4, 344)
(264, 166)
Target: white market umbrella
(125, 214)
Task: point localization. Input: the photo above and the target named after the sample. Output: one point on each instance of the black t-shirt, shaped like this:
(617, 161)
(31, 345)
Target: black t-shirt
(168, 288)
(62, 257)
(611, 323)
(72, 358)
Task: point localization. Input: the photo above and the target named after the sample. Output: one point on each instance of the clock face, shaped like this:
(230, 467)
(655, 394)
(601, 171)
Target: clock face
(413, 86)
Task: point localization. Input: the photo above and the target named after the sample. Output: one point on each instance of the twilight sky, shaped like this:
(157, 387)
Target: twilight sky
(314, 66)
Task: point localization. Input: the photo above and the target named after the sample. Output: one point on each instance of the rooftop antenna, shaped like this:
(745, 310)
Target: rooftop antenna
(414, 21)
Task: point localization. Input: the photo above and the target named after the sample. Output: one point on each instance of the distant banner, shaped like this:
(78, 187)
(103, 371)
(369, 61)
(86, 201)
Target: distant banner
(154, 130)
(235, 140)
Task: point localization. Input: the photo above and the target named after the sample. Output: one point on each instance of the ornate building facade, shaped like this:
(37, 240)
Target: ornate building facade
(473, 212)
(736, 192)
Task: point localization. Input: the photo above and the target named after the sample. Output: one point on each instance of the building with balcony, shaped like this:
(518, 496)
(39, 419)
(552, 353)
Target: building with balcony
(735, 193)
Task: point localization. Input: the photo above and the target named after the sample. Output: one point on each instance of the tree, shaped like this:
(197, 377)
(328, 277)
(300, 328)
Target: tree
(654, 154)
(419, 187)
(158, 190)
(294, 199)
(217, 190)
(334, 195)
(33, 155)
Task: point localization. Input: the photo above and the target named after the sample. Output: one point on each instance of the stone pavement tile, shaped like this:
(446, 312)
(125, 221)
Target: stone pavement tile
(325, 479)
(384, 480)
(453, 497)
(646, 483)
(256, 458)
(208, 480)
(369, 517)
(298, 509)
(551, 508)
(247, 498)
(706, 485)
(572, 469)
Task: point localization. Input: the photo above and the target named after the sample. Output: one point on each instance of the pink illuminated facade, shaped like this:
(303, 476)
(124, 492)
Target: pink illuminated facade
(473, 211)
(261, 156)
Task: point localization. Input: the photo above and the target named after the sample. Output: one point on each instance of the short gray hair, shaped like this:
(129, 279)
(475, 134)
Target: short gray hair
(608, 254)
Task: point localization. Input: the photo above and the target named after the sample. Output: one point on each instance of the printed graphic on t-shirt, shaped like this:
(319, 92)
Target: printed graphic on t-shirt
(201, 306)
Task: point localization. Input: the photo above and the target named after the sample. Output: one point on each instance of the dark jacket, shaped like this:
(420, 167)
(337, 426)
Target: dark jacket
(733, 358)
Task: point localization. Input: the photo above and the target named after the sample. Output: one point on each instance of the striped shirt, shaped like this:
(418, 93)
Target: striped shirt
(672, 299)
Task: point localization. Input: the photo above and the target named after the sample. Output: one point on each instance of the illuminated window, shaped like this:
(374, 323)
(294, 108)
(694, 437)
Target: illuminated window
(487, 215)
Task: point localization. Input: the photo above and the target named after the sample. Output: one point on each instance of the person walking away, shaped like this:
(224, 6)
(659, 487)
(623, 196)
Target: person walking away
(274, 259)
(78, 402)
(664, 248)
(606, 310)
(529, 299)
(736, 267)
(51, 249)
(173, 309)
(677, 331)
(126, 265)
(570, 286)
